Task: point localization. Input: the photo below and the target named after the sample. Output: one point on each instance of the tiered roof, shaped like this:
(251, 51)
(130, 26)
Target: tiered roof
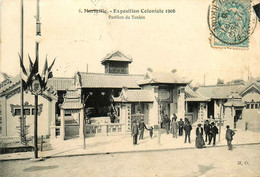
(100, 80)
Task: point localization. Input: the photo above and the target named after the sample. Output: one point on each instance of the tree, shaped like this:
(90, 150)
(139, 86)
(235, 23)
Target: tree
(220, 81)
(23, 132)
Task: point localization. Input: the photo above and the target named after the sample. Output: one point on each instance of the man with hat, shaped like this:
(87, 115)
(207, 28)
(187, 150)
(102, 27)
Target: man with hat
(180, 124)
(229, 137)
(213, 133)
(142, 126)
(207, 128)
(187, 130)
(135, 132)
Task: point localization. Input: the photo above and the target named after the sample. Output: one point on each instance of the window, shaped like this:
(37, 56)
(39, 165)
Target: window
(256, 106)
(247, 106)
(26, 111)
(252, 106)
(17, 112)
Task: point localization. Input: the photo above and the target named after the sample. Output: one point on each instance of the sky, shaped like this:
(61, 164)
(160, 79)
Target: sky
(162, 42)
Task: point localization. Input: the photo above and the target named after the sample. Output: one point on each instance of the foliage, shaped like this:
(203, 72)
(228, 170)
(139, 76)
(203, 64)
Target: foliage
(220, 81)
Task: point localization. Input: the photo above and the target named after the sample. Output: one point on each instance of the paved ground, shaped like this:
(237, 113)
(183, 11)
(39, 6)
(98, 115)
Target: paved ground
(123, 143)
(217, 161)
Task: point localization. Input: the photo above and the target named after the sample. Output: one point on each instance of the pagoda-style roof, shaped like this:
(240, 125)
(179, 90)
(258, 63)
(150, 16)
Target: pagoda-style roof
(61, 83)
(218, 91)
(162, 78)
(131, 96)
(191, 95)
(117, 56)
(99, 80)
(236, 103)
(72, 100)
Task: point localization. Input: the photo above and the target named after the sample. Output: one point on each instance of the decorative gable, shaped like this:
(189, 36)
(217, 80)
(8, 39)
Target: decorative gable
(252, 88)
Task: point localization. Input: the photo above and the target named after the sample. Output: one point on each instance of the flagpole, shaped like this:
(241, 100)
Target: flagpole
(38, 33)
(22, 90)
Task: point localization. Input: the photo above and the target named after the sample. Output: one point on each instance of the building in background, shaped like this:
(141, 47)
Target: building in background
(236, 103)
(10, 109)
(110, 101)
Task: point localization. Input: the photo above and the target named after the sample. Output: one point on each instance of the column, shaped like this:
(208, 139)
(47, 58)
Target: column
(62, 124)
(186, 107)
(181, 104)
(229, 118)
(123, 118)
(81, 123)
(4, 116)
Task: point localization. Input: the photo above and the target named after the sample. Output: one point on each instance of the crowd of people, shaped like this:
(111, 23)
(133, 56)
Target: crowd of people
(176, 128)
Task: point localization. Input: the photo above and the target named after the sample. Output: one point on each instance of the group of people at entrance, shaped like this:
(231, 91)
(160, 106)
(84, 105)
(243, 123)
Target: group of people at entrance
(211, 132)
(177, 127)
(138, 128)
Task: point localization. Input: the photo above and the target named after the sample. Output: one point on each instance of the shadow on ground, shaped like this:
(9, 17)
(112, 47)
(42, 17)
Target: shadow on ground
(40, 168)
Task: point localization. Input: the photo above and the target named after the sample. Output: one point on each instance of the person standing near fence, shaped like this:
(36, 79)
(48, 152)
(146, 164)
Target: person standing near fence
(135, 132)
(229, 137)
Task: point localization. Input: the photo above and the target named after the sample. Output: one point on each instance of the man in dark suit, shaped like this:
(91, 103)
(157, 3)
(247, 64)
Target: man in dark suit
(180, 124)
(142, 126)
(135, 132)
(187, 130)
(229, 137)
(213, 133)
(167, 122)
(207, 128)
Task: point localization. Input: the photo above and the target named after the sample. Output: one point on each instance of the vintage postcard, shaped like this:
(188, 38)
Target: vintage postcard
(129, 88)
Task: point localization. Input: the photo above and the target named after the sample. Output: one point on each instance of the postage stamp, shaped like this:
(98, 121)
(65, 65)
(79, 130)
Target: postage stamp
(229, 23)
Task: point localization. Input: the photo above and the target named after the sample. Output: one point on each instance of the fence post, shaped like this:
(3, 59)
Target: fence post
(41, 142)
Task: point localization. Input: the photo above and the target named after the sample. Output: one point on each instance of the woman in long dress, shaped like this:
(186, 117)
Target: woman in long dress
(199, 137)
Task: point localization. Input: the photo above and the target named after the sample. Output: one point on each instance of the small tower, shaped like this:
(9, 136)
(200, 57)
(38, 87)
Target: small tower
(116, 63)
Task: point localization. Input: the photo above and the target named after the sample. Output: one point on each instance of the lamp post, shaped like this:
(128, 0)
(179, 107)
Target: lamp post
(36, 90)
(84, 120)
(22, 89)
(36, 86)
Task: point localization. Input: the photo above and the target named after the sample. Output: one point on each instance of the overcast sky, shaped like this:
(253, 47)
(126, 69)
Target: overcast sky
(161, 41)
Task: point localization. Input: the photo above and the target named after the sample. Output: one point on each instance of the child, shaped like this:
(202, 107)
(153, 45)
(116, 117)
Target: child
(151, 131)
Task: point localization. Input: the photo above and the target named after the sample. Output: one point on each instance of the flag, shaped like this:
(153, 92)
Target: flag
(45, 70)
(31, 64)
(33, 71)
(6, 76)
(24, 75)
(50, 75)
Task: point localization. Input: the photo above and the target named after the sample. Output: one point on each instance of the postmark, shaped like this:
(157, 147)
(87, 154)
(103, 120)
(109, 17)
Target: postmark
(229, 23)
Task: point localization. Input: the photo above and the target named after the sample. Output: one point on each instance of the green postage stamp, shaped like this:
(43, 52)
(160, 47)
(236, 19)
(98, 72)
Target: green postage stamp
(229, 23)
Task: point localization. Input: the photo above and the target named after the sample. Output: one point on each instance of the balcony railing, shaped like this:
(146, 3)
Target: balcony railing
(95, 129)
